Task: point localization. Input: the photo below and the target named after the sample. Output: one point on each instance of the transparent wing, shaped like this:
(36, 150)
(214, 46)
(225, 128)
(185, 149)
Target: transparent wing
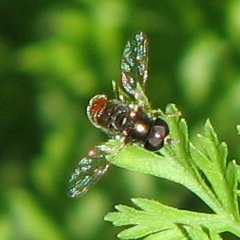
(88, 171)
(134, 68)
(92, 167)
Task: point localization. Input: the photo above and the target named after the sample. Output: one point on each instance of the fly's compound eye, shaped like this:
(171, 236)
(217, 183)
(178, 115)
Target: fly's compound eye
(159, 131)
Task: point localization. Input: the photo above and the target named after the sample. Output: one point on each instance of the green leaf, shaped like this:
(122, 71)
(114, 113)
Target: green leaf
(154, 217)
(215, 151)
(202, 234)
(182, 162)
(212, 161)
(171, 234)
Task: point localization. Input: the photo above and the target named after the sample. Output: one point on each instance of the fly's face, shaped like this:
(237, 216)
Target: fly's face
(127, 117)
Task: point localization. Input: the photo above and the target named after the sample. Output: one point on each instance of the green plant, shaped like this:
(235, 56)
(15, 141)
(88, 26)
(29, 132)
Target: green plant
(204, 170)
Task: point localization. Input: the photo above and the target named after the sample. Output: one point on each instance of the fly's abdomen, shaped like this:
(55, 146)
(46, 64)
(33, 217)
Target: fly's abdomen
(109, 115)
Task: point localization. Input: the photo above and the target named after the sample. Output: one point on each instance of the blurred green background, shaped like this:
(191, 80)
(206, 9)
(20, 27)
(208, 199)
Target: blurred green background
(55, 55)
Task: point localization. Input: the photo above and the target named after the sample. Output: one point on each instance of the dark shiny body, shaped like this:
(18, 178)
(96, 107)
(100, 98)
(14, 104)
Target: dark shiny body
(128, 120)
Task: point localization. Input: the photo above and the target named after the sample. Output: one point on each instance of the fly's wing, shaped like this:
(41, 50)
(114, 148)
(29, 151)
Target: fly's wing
(134, 70)
(92, 167)
(88, 171)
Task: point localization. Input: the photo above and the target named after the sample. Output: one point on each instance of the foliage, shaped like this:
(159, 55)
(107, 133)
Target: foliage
(203, 170)
(55, 55)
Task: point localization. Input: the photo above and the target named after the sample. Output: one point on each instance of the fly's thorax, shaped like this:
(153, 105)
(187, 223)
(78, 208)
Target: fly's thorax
(139, 125)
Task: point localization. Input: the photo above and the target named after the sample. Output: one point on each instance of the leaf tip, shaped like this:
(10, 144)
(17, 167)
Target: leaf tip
(238, 129)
